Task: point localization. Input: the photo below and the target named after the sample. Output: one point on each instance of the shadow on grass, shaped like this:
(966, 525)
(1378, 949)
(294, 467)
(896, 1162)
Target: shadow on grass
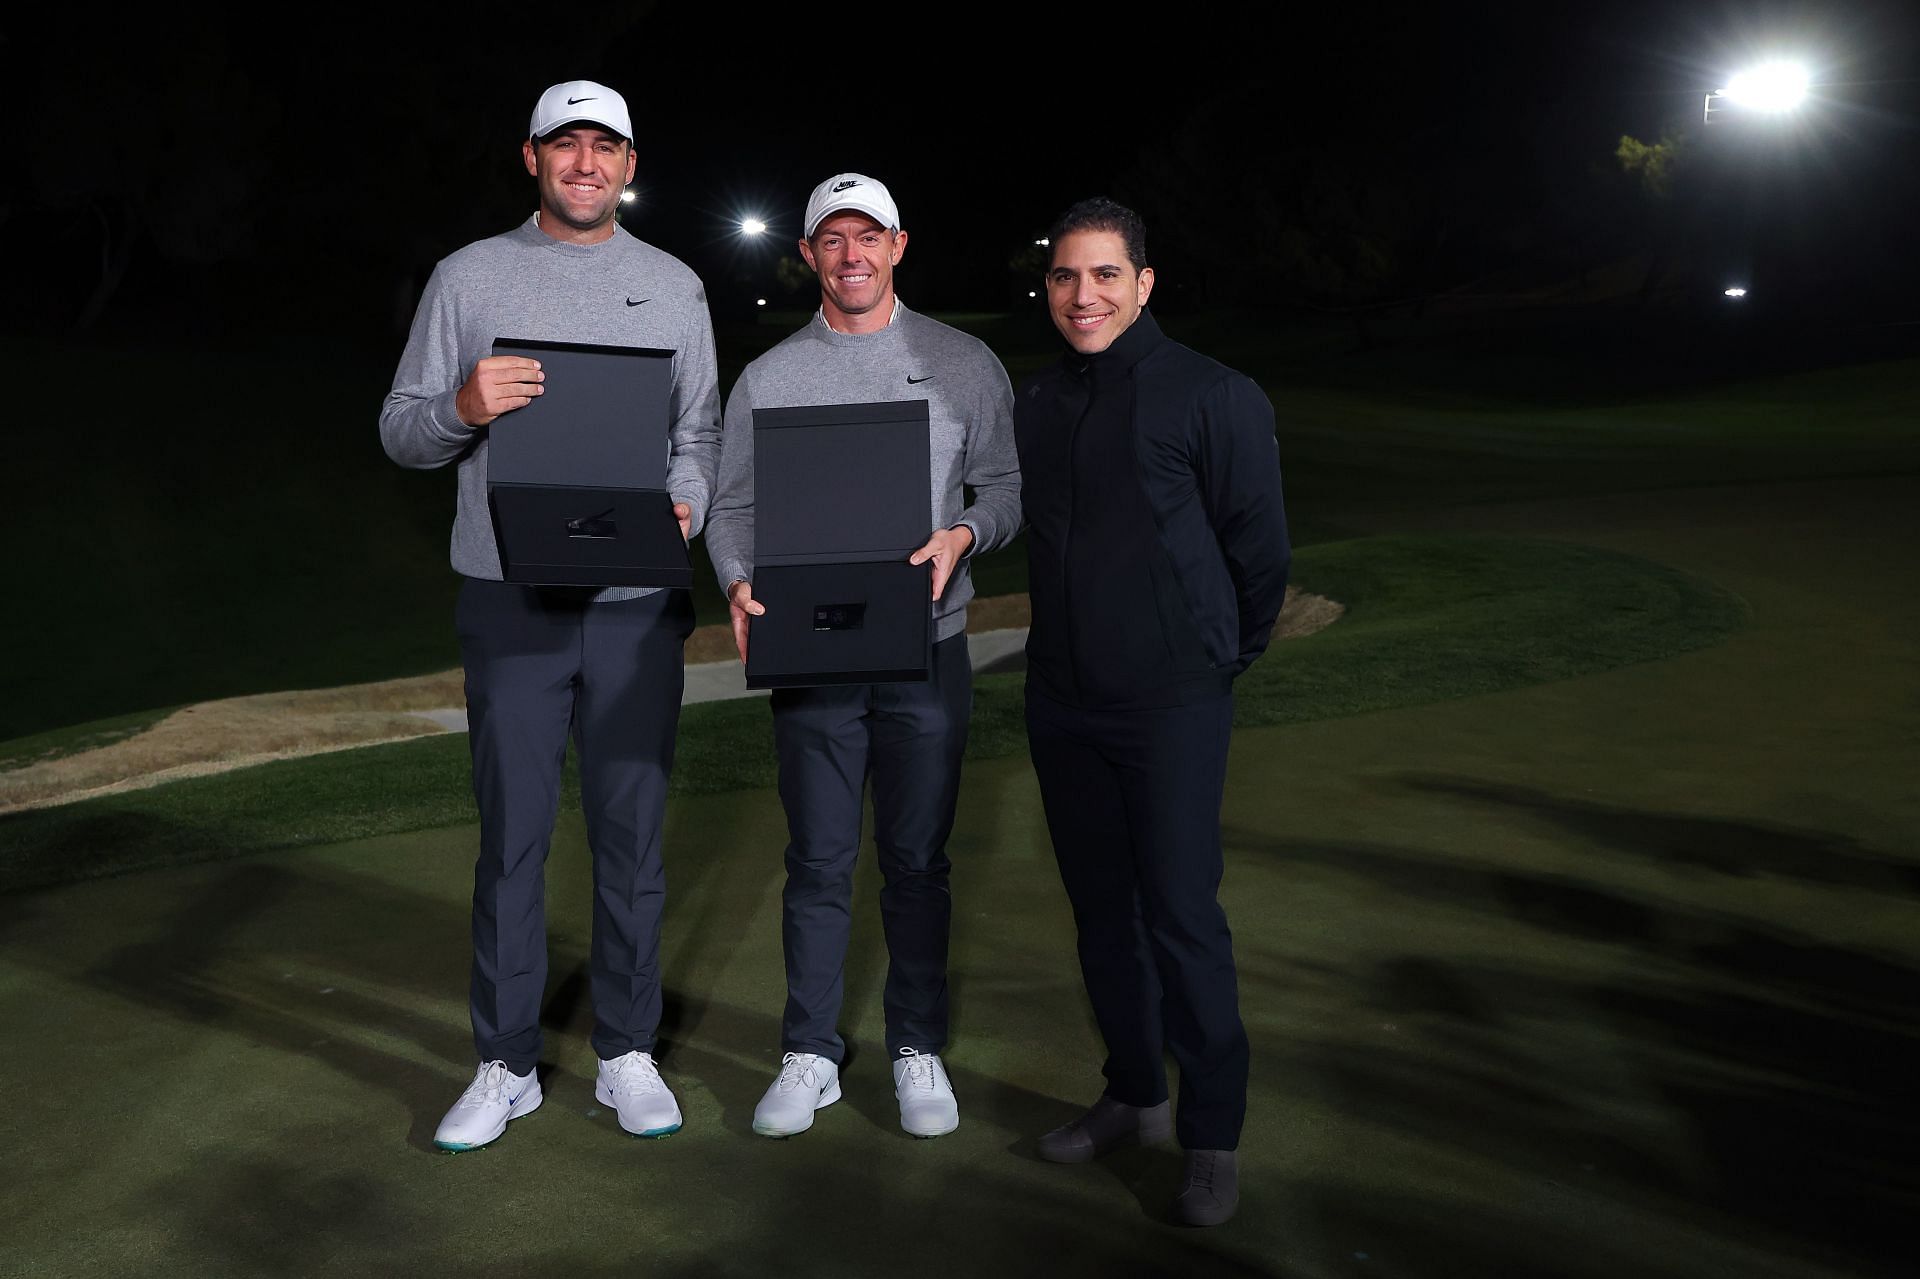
(281, 968)
(255, 1213)
(1642, 1043)
(197, 965)
(1744, 850)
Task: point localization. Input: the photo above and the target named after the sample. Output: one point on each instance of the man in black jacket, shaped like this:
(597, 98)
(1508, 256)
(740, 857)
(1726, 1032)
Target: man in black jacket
(1157, 564)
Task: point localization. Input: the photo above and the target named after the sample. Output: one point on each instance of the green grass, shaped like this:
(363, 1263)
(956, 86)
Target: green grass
(1434, 618)
(1595, 977)
(1429, 618)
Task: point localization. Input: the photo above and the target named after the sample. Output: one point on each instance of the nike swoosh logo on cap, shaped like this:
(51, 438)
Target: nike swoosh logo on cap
(574, 102)
(916, 381)
(638, 301)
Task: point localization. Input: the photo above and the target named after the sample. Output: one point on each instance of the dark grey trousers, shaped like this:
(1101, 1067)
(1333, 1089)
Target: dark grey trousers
(909, 738)
(540, 663)
(1133, 804)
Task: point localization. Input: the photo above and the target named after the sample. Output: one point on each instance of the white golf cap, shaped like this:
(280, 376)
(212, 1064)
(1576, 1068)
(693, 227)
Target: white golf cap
(580, 102)
(851, 191)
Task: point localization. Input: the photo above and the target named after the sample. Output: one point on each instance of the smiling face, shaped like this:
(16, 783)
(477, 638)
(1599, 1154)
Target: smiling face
(1093, 291)
(581, 171)
(854, 257)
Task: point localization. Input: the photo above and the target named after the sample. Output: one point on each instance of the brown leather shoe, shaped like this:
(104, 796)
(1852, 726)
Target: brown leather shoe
(1107, 1124)
(1212, 1189)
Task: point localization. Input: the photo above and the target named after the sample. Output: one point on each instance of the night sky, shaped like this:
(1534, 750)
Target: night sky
(1450, 140)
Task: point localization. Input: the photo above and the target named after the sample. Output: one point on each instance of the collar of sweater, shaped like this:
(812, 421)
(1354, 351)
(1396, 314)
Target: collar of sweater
(530, 232)
(827, 333)
(1122, 353)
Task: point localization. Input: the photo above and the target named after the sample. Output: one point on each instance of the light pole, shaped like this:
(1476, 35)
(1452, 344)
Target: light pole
(1754, 119)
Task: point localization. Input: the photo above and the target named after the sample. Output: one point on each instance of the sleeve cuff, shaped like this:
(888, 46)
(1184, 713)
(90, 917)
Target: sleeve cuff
(973, 527)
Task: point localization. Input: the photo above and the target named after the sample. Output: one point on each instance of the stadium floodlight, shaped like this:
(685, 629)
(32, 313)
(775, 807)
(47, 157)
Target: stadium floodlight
(752, 226)
(1735, 292)
(1772, 86)
(628, 196)
(1768, 89)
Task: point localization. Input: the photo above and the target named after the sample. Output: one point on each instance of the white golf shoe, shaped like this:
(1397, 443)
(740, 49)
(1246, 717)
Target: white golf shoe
(928, 1107)
(495, 1096)
(632, 1086)
(807, 1082)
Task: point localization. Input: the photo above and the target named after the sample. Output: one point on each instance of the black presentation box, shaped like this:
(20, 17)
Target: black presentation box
(842, 496)
(576, 480)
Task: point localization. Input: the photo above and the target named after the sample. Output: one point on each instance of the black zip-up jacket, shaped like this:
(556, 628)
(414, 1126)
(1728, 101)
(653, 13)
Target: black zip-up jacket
(1157, 545)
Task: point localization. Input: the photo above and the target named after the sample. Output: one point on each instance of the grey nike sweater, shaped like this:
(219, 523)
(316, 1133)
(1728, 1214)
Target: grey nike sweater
(969, 401)
(526, 284)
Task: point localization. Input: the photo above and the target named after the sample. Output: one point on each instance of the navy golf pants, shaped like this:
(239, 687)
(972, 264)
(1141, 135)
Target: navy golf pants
(543, 663)
(1133, 805)
(909, 738)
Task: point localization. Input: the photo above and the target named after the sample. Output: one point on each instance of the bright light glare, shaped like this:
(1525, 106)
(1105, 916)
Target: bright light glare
(1736, 292)
(1774, 86)
(759, 301)
(752, 226)
(1032, 293)
(628, 197)
(1043, 243)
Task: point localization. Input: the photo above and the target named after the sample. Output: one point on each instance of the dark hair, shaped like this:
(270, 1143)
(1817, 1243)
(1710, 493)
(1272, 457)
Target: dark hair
(541, 139)
(1102, 214)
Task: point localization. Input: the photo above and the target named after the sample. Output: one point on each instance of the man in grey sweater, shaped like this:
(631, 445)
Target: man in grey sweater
(539, 662)
(863, 346)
